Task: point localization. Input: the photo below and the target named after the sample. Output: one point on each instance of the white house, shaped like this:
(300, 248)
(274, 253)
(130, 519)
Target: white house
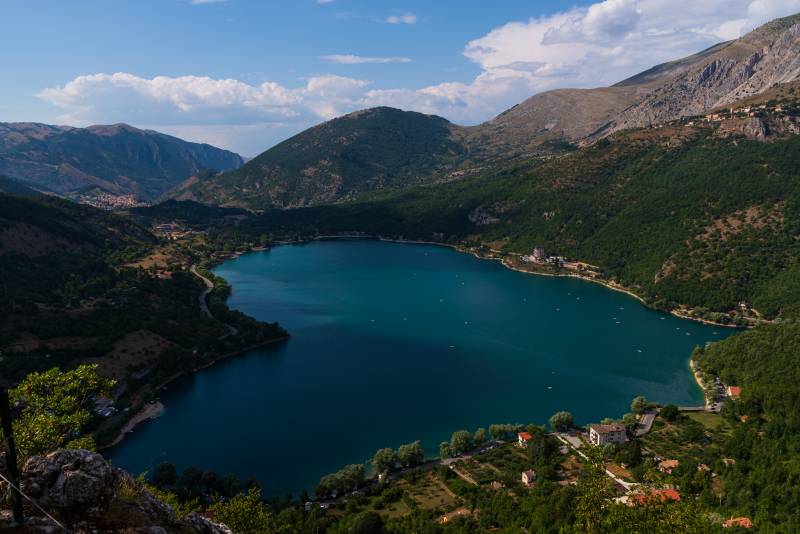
(528, 477)
(602, 434)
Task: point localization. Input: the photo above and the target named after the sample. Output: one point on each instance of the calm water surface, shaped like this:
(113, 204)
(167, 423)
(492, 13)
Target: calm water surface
(393, 343)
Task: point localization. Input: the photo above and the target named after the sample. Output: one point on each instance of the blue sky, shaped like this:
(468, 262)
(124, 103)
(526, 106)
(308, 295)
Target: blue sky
(248, 74)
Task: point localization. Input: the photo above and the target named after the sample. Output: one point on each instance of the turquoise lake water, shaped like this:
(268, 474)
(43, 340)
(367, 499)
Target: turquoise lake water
(395, 342)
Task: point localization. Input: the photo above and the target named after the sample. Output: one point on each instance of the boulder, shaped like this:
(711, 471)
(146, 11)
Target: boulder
(82, 491)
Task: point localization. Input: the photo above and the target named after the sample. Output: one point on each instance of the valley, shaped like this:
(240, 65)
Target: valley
(342, 334)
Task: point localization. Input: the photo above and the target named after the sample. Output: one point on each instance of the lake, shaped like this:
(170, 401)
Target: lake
(393, 343)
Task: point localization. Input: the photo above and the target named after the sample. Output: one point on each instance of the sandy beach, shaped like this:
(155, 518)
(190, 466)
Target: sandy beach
(148, 411)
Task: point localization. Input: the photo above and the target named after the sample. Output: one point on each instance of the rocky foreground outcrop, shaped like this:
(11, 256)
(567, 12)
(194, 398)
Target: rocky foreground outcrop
(86, 494)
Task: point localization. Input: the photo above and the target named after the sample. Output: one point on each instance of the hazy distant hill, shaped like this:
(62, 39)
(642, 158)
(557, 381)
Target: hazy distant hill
(117, 159)
(14, 187)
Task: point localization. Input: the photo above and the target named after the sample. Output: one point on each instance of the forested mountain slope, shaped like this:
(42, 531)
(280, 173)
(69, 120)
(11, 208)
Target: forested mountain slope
(363, 151)
(704, 214)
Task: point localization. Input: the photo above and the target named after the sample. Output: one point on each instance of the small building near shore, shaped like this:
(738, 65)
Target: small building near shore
(528, 477)
(734, 392)
(538, 254)
(601, 434)
(523, 438)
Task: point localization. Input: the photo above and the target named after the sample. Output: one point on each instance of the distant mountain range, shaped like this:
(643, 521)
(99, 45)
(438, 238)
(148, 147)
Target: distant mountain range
(385, 148)
(117, 159)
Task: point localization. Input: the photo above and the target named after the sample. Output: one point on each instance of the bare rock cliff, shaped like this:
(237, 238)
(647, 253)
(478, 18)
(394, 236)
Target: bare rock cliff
(82, 491)
(745, 67)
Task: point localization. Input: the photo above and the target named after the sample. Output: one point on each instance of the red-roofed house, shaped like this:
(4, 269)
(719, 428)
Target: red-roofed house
(668, 466)
(743, 522)
(734, 392)
(523, 438)
(657, 496)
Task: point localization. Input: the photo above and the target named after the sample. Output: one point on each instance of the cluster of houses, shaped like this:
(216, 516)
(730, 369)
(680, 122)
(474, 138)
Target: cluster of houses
(173, 230)
(615, 433)
(747, 111)
(539, 256)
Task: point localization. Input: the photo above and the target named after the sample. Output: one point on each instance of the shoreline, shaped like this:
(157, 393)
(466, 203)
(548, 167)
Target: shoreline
(145, 412)
(614, 286)
(149, 411)
(145, 415)
(699, 380)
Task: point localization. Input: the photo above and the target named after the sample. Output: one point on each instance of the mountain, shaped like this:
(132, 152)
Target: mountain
(14, 187)
(695, 213)
(117, 159)
(767, 56)
(44, 225)
(371, 149)
(384, 148)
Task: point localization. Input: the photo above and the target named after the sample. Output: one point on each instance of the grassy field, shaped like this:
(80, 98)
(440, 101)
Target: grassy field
(711, 421)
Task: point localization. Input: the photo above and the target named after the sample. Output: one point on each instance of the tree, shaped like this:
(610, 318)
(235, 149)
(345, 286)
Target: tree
(629, 419)
(460, 442)
(165, 474)
(383, 460)
(245, 513)
(669, 412)
(479, 436)
(367, 522)
(639, 405)
(496, 431)
(353, 476)
(411, 454)
(561, 421)
(57, 406)
(595, 494)
(444, 450)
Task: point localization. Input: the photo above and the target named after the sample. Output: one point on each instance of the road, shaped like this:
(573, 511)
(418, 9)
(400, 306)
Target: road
(202, 298)
(571, 442)
(646, 423)
(203, 302)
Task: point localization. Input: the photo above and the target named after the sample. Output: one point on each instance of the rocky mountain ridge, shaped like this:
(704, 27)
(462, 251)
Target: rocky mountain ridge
(767, 56)
(117, 159)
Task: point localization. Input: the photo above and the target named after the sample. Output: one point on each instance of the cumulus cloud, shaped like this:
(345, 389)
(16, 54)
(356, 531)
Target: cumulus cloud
(408, 18)
(351, 59)
(580, 47)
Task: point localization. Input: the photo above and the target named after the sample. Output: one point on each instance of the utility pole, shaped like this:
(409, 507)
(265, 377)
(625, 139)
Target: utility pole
(11, 458)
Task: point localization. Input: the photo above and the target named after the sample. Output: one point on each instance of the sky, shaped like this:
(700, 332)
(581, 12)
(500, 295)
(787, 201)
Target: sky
(245, 75)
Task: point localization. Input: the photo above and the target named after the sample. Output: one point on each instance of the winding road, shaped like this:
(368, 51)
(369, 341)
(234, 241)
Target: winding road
(201, 300)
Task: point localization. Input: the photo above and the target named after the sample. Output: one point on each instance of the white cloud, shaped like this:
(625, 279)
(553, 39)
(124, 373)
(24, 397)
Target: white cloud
(350, 59)
(323, 2)
(201, 2)
(579, 47)
(408, 18)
